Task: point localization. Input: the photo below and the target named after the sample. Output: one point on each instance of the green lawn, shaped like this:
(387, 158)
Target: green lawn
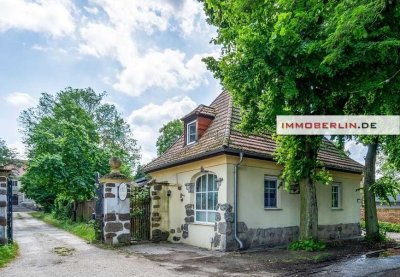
(8, 253)
(81, 229)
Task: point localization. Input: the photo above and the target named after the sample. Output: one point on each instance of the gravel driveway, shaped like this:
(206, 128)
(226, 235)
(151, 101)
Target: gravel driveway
(48, 251)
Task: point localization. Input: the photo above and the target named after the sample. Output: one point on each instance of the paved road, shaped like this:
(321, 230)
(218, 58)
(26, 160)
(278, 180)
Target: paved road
(37, 242)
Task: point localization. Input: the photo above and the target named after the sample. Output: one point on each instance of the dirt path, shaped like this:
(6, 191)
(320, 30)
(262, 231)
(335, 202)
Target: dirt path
(48, 251)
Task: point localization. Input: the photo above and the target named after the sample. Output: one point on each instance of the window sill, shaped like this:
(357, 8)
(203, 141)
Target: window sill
(203, 223)
(336, 209)
(273, 209)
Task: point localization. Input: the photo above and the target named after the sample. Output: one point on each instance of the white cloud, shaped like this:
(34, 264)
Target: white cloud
(142, 69)
(357, 150)
(52, 17)
(147, 120)
(167, 69)
(49, 49)
(20, 99)
(91, 10)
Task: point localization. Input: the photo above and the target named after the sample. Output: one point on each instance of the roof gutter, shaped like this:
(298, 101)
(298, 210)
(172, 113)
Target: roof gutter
(235, 201)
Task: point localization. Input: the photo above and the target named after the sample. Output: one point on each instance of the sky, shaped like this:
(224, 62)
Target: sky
(145, 54)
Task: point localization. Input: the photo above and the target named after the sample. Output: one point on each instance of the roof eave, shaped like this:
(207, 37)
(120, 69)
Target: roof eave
(231, 151)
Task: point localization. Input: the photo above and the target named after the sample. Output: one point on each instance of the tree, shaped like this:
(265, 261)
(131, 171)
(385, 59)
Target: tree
(303, 58)
(69, 140)
(169, 133)
(388, 183)
(7, 155)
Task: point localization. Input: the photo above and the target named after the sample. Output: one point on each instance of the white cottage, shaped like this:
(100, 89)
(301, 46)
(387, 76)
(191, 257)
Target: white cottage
(198, 178)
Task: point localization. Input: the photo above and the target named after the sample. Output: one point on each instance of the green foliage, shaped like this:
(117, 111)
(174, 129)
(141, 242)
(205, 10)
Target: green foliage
(389, 227)
(389, 182)
(138, 198)
(385, 226)
(63, 208)
(139, 172)
(306, 58)
(299, 157)
(307, 245)
(8, 252)
(169, 133)
(83, 230)
(381, 237)
(69, 137)
(384, 187)
(7, 155)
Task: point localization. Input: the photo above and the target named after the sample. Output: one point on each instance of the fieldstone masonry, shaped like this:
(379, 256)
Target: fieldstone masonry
(269, 237)
(117, 219)
(3, 210)
(339, 231)
(157, 233)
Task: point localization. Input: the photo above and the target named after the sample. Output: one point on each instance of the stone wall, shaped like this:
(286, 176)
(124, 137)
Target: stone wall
(224, 237)
(339, 231)
(3, 210)
(159, 214)
(386, 214)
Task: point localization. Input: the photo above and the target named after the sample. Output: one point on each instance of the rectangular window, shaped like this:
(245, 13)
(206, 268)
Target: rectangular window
(206, 198)
(270, 192)
(191, 132)
(335, 196)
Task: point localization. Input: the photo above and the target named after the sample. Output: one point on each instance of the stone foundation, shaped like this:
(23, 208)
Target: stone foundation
(338, 231)
(224, 237)
(255, 237)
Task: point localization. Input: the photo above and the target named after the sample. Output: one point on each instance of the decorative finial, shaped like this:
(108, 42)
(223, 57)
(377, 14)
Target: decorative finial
(115, 164)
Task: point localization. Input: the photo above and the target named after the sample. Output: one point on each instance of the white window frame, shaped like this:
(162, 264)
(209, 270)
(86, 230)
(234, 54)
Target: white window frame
(188, 134)
(207, 191)
(339, 193)
(272, 178)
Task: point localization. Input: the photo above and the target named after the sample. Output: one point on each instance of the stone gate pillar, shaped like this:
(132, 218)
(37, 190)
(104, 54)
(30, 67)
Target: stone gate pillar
(3, 210)
(116, 193)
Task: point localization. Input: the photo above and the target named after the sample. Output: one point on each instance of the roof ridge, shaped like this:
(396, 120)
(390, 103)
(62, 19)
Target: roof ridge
(228, 125)
(217, 98)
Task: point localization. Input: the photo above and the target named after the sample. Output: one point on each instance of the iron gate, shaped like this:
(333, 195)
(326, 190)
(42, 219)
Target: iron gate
(140, 213)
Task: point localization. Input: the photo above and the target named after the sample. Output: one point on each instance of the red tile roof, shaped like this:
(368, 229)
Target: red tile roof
(222, 138)
(201, 110)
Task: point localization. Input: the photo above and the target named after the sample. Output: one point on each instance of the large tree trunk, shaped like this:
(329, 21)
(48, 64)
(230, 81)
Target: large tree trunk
(371, 217)
(308, 210)
(308, 201)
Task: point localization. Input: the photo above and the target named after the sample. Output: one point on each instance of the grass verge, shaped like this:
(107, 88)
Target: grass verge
(80, 229)
(386, 226)
(8, 253)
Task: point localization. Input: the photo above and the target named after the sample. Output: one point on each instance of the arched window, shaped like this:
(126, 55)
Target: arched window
(206, 198)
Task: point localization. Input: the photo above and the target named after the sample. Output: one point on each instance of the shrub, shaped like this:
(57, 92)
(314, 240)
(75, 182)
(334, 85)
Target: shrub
(385, 226)
(389, 227)
(381, 237)
(307, 245)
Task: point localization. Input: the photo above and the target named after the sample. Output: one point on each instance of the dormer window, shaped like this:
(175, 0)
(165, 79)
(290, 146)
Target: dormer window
(191, 132)
(196, 123)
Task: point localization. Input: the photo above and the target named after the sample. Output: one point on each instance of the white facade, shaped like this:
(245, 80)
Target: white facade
(175, 210)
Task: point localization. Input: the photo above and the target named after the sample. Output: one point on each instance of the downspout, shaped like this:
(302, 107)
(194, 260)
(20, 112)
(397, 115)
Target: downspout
(235, 201)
